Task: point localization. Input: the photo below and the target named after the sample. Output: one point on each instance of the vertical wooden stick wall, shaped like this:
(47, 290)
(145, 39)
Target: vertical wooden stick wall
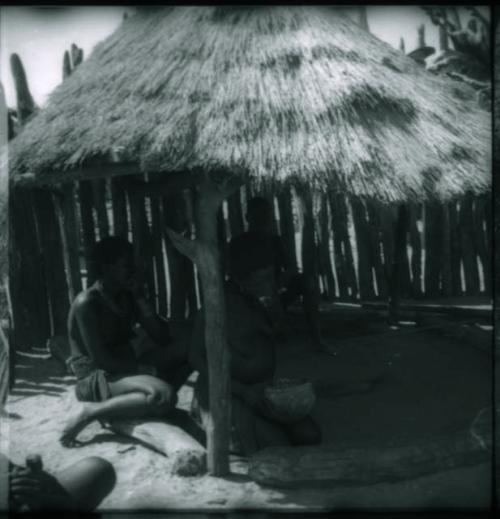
(447, 249)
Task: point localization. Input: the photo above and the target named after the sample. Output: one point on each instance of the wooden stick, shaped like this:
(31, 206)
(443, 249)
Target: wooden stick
(446, 275)
(455, 249)
(340, 262)
(482, 242)
(222, 240)
(236, 218)
(398, 262)
(88, 227)
(27, 289)
(142, 240)
(156, 232)
(99, 195)
(120, 219)
(191, 274)
(388, 217)
(287, 226)
(66, 215)
(324, 247)
(174, 218)
(376, 244)
(433, 247)
(52, 252)
(309, 251)
(416, 245)
(365, 275)
(469, 251)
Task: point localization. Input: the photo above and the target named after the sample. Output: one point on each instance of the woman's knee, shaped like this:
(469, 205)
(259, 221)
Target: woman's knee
(100, 468)
(88, 481)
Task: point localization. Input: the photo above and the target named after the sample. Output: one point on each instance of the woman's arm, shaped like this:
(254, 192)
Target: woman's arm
(156, 327)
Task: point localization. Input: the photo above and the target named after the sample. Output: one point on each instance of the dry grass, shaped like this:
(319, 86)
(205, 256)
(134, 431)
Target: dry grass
(287, 93)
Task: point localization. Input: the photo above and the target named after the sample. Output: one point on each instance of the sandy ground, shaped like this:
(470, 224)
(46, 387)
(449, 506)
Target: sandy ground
(374, 390)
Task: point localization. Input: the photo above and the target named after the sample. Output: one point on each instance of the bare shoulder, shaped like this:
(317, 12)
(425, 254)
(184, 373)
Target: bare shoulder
(84, 301)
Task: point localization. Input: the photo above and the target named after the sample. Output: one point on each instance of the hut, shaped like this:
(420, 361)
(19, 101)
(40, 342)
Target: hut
(207, 97)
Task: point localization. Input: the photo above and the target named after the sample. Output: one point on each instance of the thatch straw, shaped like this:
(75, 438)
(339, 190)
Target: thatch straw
(284, 92)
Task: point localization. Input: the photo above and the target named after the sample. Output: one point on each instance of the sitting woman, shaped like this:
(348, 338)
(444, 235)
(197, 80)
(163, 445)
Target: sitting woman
(113, 381)
(253, 362)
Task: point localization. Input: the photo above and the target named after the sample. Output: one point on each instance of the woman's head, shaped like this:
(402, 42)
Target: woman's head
(113, 259)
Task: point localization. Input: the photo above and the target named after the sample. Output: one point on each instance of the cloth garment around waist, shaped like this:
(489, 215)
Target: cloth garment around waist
(92, 382)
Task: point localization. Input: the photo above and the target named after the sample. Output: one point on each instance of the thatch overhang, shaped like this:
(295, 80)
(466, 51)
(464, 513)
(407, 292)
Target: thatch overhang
(285, 93)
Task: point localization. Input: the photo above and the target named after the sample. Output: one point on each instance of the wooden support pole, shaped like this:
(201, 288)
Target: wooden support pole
(208, 262)
(53, 261)
(66, 214)
(204, 252)
(88, 226)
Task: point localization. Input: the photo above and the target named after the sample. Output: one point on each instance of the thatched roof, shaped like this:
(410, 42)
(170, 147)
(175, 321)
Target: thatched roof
(284, 92)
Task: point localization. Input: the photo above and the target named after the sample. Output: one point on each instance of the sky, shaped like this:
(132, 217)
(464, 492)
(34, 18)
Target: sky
(40, 35)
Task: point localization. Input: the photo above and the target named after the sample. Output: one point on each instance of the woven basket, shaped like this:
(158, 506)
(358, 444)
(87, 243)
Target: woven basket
(290, 400)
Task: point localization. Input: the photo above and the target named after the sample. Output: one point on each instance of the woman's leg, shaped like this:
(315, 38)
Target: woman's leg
(131, 397)
(171, 362)
(88, 482)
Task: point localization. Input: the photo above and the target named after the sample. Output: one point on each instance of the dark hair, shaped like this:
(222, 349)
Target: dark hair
(108, 251)
(258, 204)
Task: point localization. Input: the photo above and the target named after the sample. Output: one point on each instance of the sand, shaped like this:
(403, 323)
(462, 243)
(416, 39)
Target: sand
(373, 390)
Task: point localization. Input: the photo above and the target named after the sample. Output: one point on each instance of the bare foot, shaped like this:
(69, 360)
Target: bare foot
(73, 426)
